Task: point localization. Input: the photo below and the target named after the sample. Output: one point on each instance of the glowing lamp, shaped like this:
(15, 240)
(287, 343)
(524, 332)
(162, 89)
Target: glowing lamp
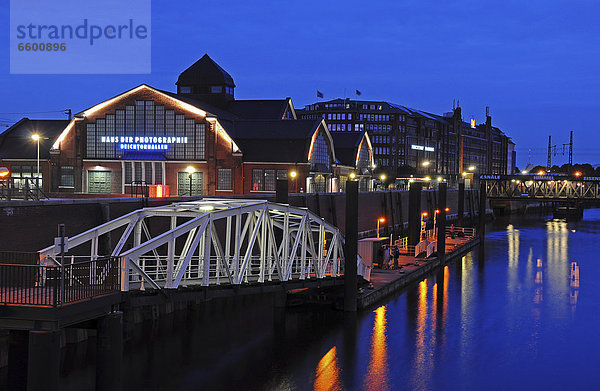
(352, 175)
(577, 173)
(190, 170)
(293, 174)
(425, 163)
(382, 177)
(425, 214)
(541, 172)
(4, 172)
(447, 210)
(36, 137)
(471, 168)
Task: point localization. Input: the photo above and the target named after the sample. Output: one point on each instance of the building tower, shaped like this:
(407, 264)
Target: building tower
(205, 80)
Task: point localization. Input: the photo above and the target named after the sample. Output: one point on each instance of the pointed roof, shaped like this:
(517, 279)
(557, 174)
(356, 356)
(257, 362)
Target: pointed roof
(205, 72)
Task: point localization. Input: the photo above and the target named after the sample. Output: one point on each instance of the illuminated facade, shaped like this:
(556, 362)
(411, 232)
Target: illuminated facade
(198, 141)
(408, 141)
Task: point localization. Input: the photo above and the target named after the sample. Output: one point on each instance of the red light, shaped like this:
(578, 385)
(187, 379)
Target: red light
(447, 209)
(425, 214)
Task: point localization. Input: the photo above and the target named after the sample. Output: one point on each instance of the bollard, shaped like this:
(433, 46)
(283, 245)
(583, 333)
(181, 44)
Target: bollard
(441, 222)
(281, 193)
(351, 247)
(414, 214)
(461, 204)
(109, 352)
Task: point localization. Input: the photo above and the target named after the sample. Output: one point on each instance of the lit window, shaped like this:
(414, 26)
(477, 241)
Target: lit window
(185, 90)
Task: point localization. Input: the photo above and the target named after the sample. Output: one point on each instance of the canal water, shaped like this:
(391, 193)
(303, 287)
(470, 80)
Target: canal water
(516, 318)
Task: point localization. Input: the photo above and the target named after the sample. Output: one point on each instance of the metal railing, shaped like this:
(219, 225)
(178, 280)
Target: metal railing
(21, 188)
(464, 232)
(53, 286)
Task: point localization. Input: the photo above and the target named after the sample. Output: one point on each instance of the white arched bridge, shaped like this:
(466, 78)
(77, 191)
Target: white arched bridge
(207, 242)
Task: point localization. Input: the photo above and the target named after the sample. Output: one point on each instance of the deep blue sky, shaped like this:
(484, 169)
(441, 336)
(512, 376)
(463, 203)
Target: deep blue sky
(535, 63)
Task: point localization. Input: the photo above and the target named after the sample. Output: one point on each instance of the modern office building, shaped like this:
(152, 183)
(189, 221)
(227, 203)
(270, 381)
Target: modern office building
(408, 141)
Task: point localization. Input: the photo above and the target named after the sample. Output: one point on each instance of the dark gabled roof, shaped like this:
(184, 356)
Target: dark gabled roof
(273, 140)
(205, 72)
(16, 142)
(211, 111)
(259, 109)
(346, 146)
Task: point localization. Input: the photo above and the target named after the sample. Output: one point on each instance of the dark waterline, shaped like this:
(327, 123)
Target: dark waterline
(508, 321)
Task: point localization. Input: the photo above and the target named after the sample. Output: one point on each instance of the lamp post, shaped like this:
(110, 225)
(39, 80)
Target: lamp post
(379, 220)
(294, 174)
(190, 170)
(382, 179)
(36, 138)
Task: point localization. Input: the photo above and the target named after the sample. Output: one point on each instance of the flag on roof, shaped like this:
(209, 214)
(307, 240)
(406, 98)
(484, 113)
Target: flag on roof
(358, 92)
(319, 94)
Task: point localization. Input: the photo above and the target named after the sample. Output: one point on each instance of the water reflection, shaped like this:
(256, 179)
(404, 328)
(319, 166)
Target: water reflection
(513, 236)
(557, 264)
(327, 376)
(574, 286)
(377, 377)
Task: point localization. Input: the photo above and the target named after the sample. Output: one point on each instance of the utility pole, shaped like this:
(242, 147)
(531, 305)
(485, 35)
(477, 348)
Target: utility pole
(68, 113)
(549, 164)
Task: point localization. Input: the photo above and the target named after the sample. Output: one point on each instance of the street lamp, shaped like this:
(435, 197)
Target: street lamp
(293, 174)
(426, 163)
(190, 170)
(352, 175)
(471, 168)
(379, 220)
(36, 138)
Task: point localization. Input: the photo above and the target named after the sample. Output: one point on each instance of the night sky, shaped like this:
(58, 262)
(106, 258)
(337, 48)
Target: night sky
(534, 63)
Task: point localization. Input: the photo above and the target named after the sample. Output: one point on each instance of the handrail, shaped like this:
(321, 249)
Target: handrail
(53, 286)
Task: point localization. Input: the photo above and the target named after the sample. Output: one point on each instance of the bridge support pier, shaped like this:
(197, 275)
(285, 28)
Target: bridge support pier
(281, 193)
(109, 352)
(414, 214)
(43, 368)
(441, 222)
(351, 247)
(18, 352)
(461, 204)
(482, 202)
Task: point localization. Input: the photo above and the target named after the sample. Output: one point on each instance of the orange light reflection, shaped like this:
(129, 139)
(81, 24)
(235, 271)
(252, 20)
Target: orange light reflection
(377, 375)
(327, 376)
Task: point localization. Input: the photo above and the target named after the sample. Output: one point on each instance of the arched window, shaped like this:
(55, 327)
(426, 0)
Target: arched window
(320, 154)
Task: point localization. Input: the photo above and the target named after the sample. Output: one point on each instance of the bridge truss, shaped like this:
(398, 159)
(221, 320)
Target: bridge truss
(542, 188)
(214, 241)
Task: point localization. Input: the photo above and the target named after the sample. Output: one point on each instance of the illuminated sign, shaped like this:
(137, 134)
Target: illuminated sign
(144, 140)
(422, 148)
(143, 143)
(144, 147)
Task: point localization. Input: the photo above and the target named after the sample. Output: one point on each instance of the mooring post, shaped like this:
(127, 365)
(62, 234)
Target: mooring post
(351, 247)
(441, 222)
(414, 214)
(482, 202)
(109, 352)
(43, 369)
(281, 191)
(461, 204)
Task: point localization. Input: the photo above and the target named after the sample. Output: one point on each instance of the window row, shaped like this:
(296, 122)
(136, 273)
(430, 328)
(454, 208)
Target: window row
(143, 173)
(264, 180)
(339, 116)
(146, 128)
(374, 117)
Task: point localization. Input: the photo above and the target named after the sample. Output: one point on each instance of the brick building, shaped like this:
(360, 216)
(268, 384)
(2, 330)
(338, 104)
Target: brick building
(200, 140)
